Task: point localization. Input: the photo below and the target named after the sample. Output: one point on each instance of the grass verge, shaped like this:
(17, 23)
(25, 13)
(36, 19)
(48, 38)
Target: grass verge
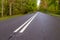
(52, 14)
(8, 17)
(55, 15)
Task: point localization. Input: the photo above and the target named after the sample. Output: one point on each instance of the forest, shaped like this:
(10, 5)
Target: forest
(50, 6)
(16, 7)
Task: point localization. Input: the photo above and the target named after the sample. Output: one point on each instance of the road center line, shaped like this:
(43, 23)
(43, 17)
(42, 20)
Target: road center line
(22, 25)
(22, 30)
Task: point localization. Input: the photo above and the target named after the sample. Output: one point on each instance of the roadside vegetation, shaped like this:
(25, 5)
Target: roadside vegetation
(51, 7)
(16, 7)
(9, 8)
(8, 17)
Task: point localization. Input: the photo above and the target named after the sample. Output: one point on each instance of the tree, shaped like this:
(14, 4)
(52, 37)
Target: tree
(59, 7)
(13, 7)
(49, 6)
(10, 6)
(2, 8)
(24, 6)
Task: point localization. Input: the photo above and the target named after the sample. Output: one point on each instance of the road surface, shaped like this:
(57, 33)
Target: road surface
(38, 26)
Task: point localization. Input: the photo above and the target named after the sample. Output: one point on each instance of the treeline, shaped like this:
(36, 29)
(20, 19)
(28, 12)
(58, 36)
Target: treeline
(14, 7)
(51, 6)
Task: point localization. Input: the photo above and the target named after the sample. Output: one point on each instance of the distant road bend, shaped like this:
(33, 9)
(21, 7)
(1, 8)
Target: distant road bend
(38, 26)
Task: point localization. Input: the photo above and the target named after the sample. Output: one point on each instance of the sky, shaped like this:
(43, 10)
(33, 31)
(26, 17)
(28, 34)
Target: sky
(38, 2)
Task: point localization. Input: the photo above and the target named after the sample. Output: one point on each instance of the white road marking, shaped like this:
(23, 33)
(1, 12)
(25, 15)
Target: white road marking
(22, 25)
(22, 30)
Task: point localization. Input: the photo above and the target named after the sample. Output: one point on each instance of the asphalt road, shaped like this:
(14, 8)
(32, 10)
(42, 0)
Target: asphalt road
(39, 26)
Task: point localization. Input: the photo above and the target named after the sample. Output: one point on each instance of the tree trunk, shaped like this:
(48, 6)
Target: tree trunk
(10, 9)
(59, 4)
(2, 8)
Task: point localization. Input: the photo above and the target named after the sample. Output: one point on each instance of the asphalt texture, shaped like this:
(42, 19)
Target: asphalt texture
(43, 27)
(8, 26)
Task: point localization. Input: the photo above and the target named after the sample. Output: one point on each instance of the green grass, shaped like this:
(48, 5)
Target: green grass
(8, 17)
(52, 14)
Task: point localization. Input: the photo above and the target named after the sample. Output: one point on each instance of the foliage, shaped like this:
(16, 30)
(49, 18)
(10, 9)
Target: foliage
(18, 6)
(52, 6)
